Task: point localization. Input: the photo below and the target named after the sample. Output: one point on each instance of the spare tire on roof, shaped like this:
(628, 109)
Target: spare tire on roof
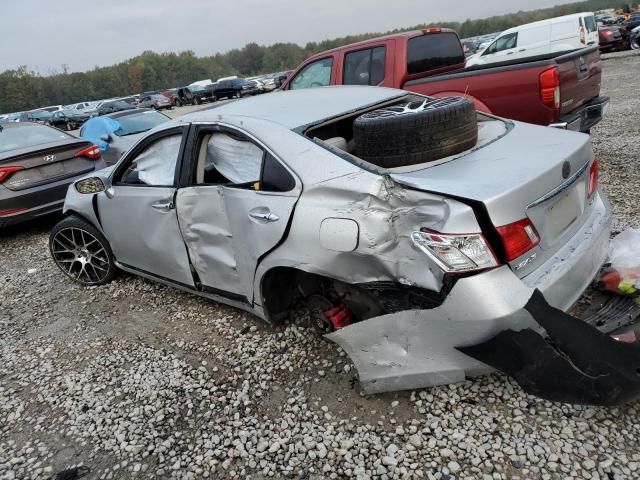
(416, 130)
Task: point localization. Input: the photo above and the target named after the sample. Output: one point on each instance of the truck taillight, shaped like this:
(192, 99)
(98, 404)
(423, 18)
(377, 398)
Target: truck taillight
(455, 253)
(518, 238)
(92, 152)
(8, 170)
(550, 88)
(594, 173)
(583, 36)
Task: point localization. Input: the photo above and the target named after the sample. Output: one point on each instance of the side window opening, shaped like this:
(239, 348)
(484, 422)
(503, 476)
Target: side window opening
(155, 165)
(506, 42)
(364, 67)
(316, 74)
(225, 158)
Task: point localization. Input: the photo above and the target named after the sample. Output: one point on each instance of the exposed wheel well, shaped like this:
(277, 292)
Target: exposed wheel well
(282, 288)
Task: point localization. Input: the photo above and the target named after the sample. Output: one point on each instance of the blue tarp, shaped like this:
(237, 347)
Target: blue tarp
(94, 128)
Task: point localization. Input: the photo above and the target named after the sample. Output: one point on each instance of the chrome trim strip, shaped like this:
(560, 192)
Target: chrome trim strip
(561, 188)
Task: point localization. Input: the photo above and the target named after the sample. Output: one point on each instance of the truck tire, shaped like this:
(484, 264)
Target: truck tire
(416, 131)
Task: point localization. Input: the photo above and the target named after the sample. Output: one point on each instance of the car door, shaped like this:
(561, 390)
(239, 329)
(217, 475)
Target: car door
(138, 212)
(233, 209)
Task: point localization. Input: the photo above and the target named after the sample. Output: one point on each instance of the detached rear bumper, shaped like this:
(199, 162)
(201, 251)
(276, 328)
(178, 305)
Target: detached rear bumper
(585, 117)
(418, 348)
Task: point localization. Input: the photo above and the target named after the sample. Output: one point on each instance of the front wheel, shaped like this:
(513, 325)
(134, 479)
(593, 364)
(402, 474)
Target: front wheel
(196, 101)
(635, 43)
(67, 127)
(178, 103)
(82, 252)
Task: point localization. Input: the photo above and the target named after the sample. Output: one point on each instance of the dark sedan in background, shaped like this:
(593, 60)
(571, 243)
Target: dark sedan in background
(114, 106)
(68, 120)
(37, 164)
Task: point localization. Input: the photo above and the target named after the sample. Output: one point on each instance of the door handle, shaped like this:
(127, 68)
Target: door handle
(163, 207)
(263, 215)
(522, 50)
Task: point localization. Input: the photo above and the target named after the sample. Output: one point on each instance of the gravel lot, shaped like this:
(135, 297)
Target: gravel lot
(135, 380)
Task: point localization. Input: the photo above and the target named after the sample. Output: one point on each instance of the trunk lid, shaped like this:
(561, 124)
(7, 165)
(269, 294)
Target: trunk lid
(580, 76)
(531, 172)
(46, 163)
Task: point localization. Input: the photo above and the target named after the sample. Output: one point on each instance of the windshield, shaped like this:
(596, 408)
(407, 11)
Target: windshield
(139, 122)
(28, 135)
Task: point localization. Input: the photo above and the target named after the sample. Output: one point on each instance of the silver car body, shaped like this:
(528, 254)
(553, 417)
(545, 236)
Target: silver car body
(351, 222)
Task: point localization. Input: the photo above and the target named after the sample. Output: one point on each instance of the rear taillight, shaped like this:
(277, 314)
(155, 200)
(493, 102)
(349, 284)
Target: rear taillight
(92, 152)
(455, 253)
(518, 238)
(583, 37)
(594, 173)
(6, 171)
(550, 88)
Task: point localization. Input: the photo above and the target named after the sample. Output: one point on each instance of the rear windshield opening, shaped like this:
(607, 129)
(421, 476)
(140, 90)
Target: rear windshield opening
(337, 134)
(28, 135)
(433, 51)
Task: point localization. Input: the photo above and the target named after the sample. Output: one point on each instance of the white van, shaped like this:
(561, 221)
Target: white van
(558, 34)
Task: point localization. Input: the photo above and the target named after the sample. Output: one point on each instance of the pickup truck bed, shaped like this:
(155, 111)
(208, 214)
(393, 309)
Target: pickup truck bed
(560, 90)
(496, 88)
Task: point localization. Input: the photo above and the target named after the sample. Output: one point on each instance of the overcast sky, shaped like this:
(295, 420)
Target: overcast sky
(44, 34)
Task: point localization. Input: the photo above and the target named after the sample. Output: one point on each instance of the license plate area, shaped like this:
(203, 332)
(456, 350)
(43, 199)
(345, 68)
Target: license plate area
(561, 215)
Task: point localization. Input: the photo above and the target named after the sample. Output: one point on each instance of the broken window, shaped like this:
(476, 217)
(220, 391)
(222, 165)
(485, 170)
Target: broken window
(156, 165)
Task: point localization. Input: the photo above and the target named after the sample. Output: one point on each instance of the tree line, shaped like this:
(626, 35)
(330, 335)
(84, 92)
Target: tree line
(23, 89)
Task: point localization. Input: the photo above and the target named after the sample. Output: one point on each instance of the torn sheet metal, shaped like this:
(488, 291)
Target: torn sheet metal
(576, 364)
(416, 348)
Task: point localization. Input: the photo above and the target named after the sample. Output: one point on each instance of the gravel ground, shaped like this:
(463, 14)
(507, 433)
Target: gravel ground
(136, 380)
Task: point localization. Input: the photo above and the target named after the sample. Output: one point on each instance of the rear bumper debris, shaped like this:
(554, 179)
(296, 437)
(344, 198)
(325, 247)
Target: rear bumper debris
(417, 348)
(576, 363)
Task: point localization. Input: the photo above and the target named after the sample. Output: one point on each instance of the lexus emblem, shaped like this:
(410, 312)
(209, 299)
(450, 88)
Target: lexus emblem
(49, 158)
(566, 169)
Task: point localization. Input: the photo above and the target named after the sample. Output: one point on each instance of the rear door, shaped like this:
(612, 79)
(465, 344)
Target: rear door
(138, 212)
(591, 30)
(233, 209)
(373, 66)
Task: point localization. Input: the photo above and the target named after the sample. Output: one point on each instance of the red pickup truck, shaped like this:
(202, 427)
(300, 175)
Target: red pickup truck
(560, 89)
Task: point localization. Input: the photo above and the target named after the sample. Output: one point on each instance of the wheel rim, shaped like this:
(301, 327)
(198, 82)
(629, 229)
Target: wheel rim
(80, 255)
(407, 108)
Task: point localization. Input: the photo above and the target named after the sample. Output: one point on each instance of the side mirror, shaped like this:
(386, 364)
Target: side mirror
(92, 185)
(105, 138)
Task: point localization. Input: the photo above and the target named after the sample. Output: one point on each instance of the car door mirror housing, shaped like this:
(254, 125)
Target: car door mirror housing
(92, 185)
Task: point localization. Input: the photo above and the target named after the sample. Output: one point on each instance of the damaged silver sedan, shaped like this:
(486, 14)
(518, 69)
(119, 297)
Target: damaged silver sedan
(404, 259)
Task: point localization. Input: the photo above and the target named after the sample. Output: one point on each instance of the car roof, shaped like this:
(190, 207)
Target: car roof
(296, 108)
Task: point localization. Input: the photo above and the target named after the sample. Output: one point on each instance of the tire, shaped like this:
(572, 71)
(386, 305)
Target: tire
(634, 44)
(419, 131)
(178, 103)
(196, 101)
(67, 127)
(74, 244)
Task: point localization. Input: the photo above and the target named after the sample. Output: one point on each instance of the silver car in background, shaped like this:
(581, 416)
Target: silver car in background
(263, 203)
